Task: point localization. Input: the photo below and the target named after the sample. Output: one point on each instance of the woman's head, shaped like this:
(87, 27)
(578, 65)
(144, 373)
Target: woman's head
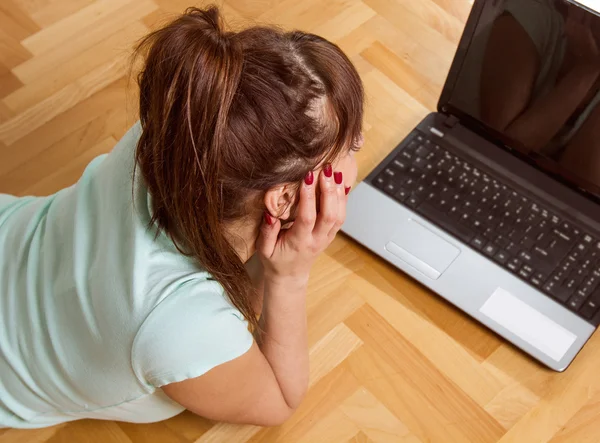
(232, 122)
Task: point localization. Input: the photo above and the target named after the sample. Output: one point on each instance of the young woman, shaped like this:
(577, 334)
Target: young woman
(129, 295)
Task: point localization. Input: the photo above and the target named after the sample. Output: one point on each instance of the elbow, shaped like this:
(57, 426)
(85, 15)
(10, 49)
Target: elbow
(281, 415)
(278, 416)
(270, 419)
(277, 419)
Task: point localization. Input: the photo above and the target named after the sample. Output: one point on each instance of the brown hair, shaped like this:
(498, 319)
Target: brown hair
(227, 116)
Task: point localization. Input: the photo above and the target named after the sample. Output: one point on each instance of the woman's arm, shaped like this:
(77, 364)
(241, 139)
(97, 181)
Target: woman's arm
(266, 385)
(283, 339)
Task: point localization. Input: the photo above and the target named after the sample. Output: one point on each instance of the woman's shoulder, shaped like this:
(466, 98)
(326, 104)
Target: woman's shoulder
(188, 333)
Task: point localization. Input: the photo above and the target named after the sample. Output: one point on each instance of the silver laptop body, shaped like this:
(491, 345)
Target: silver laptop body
(502, 299)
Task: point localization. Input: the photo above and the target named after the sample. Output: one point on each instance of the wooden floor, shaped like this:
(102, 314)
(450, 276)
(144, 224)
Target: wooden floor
(390, 362)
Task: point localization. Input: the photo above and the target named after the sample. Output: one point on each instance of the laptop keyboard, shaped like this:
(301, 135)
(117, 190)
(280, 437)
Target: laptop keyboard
(520, 234)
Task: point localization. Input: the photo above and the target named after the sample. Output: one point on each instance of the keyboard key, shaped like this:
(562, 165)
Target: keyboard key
(453, 211)
(413, 201)
(516, 234)
(406, 155)
(583, 291)
(571, 283)
(419, 162)
(527, 242)
(477, 224)
(557, 291)
(390, 188)
(501, 257)
(422, 151)
(581, 248)
(490, 249)
(512, 248)
(562, 234)
(589, 309)
(410, 184)
(390, 172)
(478, 242)
(535, 281)
(525, 272)
(576, 302)
(590, 283)
(400, 164)
(526, 257)
(514, 264)
(380, 181)
(552, 287)
(420, 191)
(501, 241)
(401, 195)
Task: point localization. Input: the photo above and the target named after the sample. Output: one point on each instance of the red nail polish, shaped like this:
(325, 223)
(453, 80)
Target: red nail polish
(328, 170)
(348, 189)
(310, 178)
(268, 218)
(338, 177)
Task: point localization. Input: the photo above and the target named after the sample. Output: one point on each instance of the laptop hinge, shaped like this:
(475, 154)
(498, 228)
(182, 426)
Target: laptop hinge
(451, 121)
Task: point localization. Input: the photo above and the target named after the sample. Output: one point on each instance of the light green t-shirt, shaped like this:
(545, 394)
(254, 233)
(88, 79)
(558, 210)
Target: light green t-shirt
(96, 311)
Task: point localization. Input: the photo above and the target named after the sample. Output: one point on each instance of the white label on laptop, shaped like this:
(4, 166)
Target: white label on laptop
(530, 325)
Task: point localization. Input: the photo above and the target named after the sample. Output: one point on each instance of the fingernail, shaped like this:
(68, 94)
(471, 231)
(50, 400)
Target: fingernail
(348, 189)
(338, 177)
(268, 218)
(309, 179)
(328, 170)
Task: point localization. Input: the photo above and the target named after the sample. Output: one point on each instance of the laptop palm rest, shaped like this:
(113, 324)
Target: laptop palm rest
(422, 249)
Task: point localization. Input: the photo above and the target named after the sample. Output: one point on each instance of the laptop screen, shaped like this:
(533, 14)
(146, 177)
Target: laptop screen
(530, 74)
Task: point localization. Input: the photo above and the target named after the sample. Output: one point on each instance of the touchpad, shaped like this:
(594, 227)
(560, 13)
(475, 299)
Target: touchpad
(422, 249)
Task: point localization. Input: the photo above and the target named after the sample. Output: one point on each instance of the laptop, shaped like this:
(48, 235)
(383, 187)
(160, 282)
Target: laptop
(493, 201)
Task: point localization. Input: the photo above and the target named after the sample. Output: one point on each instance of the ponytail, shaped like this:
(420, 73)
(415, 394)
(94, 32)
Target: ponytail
(191, 75)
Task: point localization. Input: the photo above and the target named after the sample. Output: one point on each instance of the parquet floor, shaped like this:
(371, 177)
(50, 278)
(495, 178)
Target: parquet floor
(390, 361)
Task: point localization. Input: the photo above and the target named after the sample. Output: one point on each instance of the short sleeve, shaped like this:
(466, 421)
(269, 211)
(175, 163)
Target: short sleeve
(189, 333)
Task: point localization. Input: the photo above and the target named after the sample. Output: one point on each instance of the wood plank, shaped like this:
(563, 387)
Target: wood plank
(8, 83)
(72, 26)
(63, 125)
(102, 53)
(12, 53)
(459, 413)
(70, 173)
(23, 179)
(62, 100)
(15, 21)
(55, 11)
(332, 390)
(129, 12)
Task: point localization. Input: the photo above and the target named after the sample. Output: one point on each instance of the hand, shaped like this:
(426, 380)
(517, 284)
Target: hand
(288, 255)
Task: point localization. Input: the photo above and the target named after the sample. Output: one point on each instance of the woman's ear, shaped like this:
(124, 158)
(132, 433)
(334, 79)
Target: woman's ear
(279, 201)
